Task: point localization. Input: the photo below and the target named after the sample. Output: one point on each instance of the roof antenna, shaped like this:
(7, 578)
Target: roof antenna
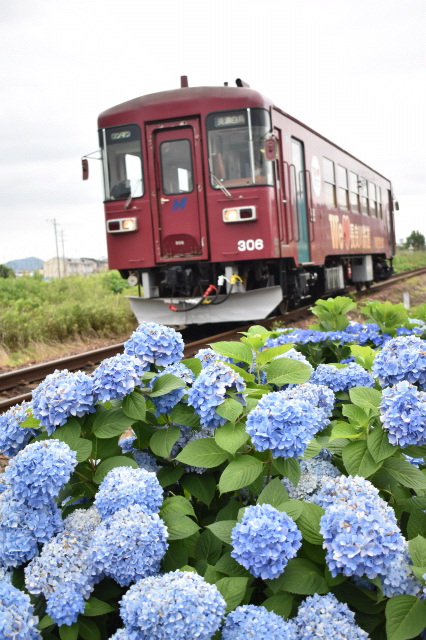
(183, 82)
(241, 83)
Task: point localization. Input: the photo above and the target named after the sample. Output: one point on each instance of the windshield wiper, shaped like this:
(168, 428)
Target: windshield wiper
(221, 186)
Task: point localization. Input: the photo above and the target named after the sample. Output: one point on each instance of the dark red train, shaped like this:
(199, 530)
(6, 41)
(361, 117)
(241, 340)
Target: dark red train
(223, 207)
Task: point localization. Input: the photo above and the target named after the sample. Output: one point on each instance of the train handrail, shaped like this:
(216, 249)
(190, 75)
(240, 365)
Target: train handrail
(288, 207)
(296, 208)
(311, 226)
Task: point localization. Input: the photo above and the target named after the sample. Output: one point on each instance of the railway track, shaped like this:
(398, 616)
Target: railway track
(16, 386)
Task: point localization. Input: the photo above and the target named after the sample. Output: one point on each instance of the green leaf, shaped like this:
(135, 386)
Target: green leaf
(365, 397)
(165, 383)
(356, 415)
(286, 371)
(69, 432)
(303, 577)
(111, 423)
(379, 446)
(405, 617)
(202, 453)
(169, 474)
(309, 522)
(185, 415)
(45, 622)
(358, 460)
(240, 473)
(280, 604)
(231, 436)
(68, 632)
(417, 549)
(162, 441)
(405, 473)
(104, 447)
(95, 607)
(292, 507)
(203, 487)
(269, 354)
(88, 629)
(233, 590)
(209, 547)
(83, 448)
(230, 567)
(193, 364)
(288, 468)
(230, 409)
(134, 406)
(223, 529)
(143, 432)
(274, 493)
(177, 505)
(236, 350)
(179, 526)
(344, 430)
(363, 355)
(111, 463)
(314, 447)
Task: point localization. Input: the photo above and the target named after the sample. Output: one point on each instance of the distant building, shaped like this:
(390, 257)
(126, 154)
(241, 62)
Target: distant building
(62, 267)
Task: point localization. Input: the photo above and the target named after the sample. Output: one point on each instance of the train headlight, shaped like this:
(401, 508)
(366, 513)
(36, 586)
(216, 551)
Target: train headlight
(239, 214)
(122, 225)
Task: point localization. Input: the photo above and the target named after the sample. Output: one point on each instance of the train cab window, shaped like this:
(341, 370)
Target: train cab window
(176, 166)
(122, 162)
(364, 196)
(342, 187)
(329, 182)
(236, 142)
(354, 192)
(372, 198)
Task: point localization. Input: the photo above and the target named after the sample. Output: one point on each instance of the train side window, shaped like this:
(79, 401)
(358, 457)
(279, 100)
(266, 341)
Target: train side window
(342, 187)
(122, 162)
(364, 196)
(379, 203)
(176, 166)
(329, 182)
(354, 192)
(372, 198)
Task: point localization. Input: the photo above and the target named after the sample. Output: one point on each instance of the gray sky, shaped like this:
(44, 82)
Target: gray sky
(353, 70)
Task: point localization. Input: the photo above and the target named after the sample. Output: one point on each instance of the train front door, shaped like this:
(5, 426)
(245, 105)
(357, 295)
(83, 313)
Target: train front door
(177, 193)
(300, 200)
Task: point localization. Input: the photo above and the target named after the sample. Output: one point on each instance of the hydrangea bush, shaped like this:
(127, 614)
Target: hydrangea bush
(272, 487)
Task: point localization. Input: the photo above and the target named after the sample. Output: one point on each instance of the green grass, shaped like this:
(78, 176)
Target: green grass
(35, 311)
(405, 260)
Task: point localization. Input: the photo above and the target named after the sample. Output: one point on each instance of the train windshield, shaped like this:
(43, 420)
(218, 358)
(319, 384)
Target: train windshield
(237, 148)
(122, 162)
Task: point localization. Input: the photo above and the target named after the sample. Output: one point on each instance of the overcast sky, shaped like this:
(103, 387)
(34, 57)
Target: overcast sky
(353, 70)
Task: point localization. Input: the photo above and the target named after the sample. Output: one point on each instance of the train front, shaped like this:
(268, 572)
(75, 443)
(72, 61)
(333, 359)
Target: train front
(190, 204)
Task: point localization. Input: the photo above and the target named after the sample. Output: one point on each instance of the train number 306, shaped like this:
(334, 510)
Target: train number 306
(250, 245)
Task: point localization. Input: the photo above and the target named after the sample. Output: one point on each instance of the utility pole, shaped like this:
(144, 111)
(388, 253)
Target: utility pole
(56, 241)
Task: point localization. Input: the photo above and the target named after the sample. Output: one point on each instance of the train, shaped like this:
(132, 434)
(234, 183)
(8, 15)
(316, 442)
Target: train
(221, 207)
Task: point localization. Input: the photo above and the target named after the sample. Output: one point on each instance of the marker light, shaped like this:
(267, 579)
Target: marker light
(239, 214)
(122, 225)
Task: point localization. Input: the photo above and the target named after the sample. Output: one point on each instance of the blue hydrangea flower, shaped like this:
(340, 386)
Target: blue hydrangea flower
(285, 421)
(116, 377)
(208, 356)
(248, 621)
(342, 379)
(13, 437)
(65, 603)
(155, 344)
(314, 472)
(165, 403)
(265, 540)
(63, 572)
(144, 459)
(124, 486)
(399, 579)
(361, 534)
(121, 634)
(209, 391)
(129, 545)
(402, 358)
(403, 413)
(324, 617)
(178, 605)
(62, 394)
(17, 619)
(38, 472)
